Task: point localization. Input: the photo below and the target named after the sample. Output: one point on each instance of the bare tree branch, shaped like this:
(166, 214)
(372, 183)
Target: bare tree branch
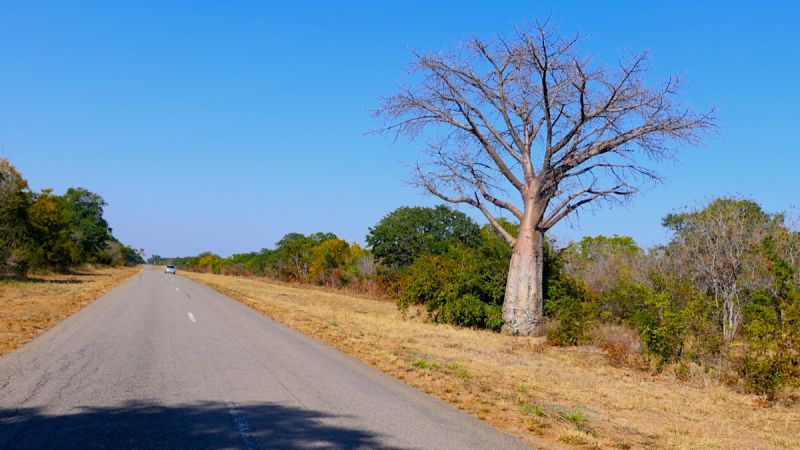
(510, 95)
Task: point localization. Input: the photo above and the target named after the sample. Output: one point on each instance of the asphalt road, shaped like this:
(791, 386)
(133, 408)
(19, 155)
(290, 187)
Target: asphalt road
(165, 362)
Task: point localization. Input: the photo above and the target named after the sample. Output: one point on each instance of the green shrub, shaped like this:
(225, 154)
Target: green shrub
(568, 302)
(573, 324)
(772, 359)
(494, 317)
(430, 280)
(662, 326)
(466, 310)
(765, 373)
(459, 287)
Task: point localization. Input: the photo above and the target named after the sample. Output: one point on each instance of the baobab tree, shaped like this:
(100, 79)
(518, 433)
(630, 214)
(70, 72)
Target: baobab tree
(528, 127)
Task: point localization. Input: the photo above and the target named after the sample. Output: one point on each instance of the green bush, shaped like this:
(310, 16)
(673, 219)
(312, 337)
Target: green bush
(575, 320)
(459, 287)
(571, 305)
(469, 311)
(765, 373)
(430, 280)
(772, 330)
(494, 317)
(772, 358)
(466, 310)
(662, 326)
(622, 300)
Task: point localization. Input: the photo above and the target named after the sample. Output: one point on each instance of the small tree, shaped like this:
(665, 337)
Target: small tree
(719, 249)
(405, 233)
(328, 261)
(56, 248)
(155, 259)
(602, 261)
(528, 126)
(83, 210)
(15, 232)
(294, 253)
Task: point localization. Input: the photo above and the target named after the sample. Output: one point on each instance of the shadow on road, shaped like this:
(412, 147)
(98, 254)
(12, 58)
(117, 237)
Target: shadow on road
(39, 280)
(43, 280)
(209, 425)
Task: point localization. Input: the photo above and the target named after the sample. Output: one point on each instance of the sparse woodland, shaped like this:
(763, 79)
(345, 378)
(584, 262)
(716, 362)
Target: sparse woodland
(722, 297)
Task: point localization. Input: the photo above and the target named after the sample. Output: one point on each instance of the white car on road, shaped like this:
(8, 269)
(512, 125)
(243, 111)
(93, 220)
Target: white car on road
(169, 269)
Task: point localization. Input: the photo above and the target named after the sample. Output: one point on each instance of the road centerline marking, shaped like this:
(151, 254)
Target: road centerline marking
(245, 430)
(191, 317)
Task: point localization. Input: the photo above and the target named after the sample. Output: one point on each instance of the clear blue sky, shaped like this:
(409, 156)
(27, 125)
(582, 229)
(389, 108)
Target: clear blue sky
(223, 125)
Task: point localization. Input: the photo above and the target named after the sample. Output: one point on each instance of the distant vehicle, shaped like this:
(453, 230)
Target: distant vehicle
(169, 269)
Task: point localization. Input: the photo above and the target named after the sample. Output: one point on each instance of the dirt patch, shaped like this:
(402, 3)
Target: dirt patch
(29, 307)
(550, 397)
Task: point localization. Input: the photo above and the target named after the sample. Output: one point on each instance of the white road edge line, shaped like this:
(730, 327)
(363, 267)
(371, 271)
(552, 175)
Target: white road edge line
(191, 317)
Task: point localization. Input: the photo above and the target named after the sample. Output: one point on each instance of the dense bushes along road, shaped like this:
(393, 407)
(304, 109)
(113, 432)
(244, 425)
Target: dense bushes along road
(45, 231)
(723, 296)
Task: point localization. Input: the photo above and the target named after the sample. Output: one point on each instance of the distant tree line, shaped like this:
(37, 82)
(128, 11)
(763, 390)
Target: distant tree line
(722, 296)
(46, 231)
(319, 258)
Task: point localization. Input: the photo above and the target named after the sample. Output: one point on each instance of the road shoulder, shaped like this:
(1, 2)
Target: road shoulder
(29, 308)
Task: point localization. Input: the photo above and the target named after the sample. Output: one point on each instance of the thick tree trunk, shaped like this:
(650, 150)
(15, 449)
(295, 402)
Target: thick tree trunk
(522, 307)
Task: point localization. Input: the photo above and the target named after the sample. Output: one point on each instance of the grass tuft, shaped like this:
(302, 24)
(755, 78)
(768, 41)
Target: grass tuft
(576, 417)
(531, 410)
(573, 439)
(423, 364)
(459, 371)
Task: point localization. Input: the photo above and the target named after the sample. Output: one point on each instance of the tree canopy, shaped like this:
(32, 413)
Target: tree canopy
(48, 231)
(408, 232)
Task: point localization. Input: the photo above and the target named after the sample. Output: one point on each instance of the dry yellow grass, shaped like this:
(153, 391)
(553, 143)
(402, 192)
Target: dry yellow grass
(550, 397)
(28, 308)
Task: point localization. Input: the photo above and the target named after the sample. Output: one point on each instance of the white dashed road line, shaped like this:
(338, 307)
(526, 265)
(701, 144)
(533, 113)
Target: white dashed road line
(191, 317)
(245, 430)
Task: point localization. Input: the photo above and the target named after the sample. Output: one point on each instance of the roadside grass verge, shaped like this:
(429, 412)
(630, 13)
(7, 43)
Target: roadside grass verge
(30, 307)
(550, 397)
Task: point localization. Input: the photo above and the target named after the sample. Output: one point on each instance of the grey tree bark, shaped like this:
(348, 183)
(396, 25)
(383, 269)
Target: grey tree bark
(522, 306)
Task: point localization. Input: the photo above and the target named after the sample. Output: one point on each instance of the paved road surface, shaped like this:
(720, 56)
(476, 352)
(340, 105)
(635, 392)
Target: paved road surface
(164, 362)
